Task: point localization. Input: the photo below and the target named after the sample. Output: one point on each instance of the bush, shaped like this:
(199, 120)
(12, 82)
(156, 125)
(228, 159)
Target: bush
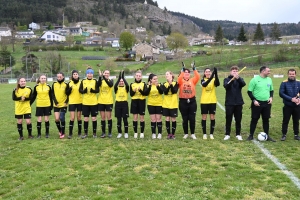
(98, 49)
(125, 59)
(279, 56)
(93, 58)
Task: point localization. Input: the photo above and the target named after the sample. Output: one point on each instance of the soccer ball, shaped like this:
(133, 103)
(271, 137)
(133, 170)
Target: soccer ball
(262, 136)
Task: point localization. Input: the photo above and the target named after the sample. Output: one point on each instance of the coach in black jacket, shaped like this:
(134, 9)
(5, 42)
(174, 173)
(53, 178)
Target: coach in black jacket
(234, 101)
(289, 91)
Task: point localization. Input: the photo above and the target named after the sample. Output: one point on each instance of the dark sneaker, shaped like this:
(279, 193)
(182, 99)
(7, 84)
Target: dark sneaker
(250, 137)
(70, 137)
(103, 135)
(47, 135)
(84, 136)
(30, 137)
(109, 135)
(296, 137)
(270, 139)
(94, 135)
(283, 138)
(21, 138)
(38, 136)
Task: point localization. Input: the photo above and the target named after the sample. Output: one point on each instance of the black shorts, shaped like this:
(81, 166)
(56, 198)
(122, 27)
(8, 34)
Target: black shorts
(74, 107)
(43, 111)
(155, 110)
(121, 109)
(208, 108)
(173, 112)
(105, 107)
(264, 110)
(25, 116)
(188, 107)
(138, 106)
(63, 109)
(88, 110)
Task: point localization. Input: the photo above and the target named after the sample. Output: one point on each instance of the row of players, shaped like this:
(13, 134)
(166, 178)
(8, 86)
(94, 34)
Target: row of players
(81, 96)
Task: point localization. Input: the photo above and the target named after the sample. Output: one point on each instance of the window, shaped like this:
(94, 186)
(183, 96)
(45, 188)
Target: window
(48, 36)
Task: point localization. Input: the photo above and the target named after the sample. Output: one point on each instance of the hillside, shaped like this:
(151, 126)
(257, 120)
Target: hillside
(120, 14)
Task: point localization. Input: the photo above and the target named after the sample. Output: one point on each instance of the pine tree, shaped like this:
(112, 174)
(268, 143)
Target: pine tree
(275, 32)
(242, 35)
(219, 34)
(259, 34)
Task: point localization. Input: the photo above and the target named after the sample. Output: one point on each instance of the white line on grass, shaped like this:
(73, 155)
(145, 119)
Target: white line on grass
(267, 153)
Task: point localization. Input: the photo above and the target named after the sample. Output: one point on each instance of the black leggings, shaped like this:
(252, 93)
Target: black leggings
(188, 112)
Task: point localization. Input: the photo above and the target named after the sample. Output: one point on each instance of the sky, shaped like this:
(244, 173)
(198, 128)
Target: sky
(252, 11)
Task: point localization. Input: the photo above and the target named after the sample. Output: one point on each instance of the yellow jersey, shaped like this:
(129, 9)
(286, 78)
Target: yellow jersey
(155, 97)
(105, 91)
(42, 94)
(140, 90)
(22, 107)
(208, 95)
(60, 97)
(89, 89)
(75, 97)
(170, 100)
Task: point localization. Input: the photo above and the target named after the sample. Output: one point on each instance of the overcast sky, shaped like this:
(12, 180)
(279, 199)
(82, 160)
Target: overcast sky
(252, 11)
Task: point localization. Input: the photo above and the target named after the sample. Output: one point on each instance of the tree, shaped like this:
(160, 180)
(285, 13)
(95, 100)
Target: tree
(54, 62)
(127, 40)
(242, 35)
(6, 59)
(30, 62)
(219, 34)
(259, 34)
(70, 40)
(176, 41)
(275, 32)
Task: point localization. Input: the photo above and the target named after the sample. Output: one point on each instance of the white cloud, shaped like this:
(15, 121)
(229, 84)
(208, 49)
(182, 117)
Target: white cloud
(253, 11)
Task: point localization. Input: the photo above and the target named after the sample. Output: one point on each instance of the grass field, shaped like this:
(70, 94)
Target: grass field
(144, 168)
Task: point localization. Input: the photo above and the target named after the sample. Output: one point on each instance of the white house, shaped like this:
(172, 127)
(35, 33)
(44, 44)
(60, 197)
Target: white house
(34, 26)
(140, 29)
(50, 36)
(115, 44)
(5, 31)
(291, 39)
(75, 30)
(25, 34)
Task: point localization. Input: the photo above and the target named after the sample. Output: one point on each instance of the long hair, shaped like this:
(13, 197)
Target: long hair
(151, 77)
(171, 74)
(38, 80)
(18, 85)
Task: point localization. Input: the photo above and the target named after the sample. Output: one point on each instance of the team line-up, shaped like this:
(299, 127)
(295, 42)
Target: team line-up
(89, 96)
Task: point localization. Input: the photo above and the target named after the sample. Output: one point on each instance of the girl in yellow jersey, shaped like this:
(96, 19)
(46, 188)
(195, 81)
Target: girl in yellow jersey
(170, 103)
(42, 94)
(138, 103)
(208, 100)
(154, 105)
(105, 101)
(88, 87)
(121, 106)
(22, 95)
(75, 102)
(60, 100)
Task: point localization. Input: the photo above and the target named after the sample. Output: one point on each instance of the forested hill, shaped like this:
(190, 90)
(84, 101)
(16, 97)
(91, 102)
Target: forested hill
(27, 11)
(231, 29)
(126, 13)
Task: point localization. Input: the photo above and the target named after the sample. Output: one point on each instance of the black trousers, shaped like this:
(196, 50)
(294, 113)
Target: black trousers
(188, 110)
(289, 111)
(235, 111)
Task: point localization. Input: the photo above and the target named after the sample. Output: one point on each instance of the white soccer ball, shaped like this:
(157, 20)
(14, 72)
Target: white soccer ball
(262, 136)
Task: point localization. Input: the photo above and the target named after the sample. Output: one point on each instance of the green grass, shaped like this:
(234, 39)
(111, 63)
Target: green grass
(145, 168)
